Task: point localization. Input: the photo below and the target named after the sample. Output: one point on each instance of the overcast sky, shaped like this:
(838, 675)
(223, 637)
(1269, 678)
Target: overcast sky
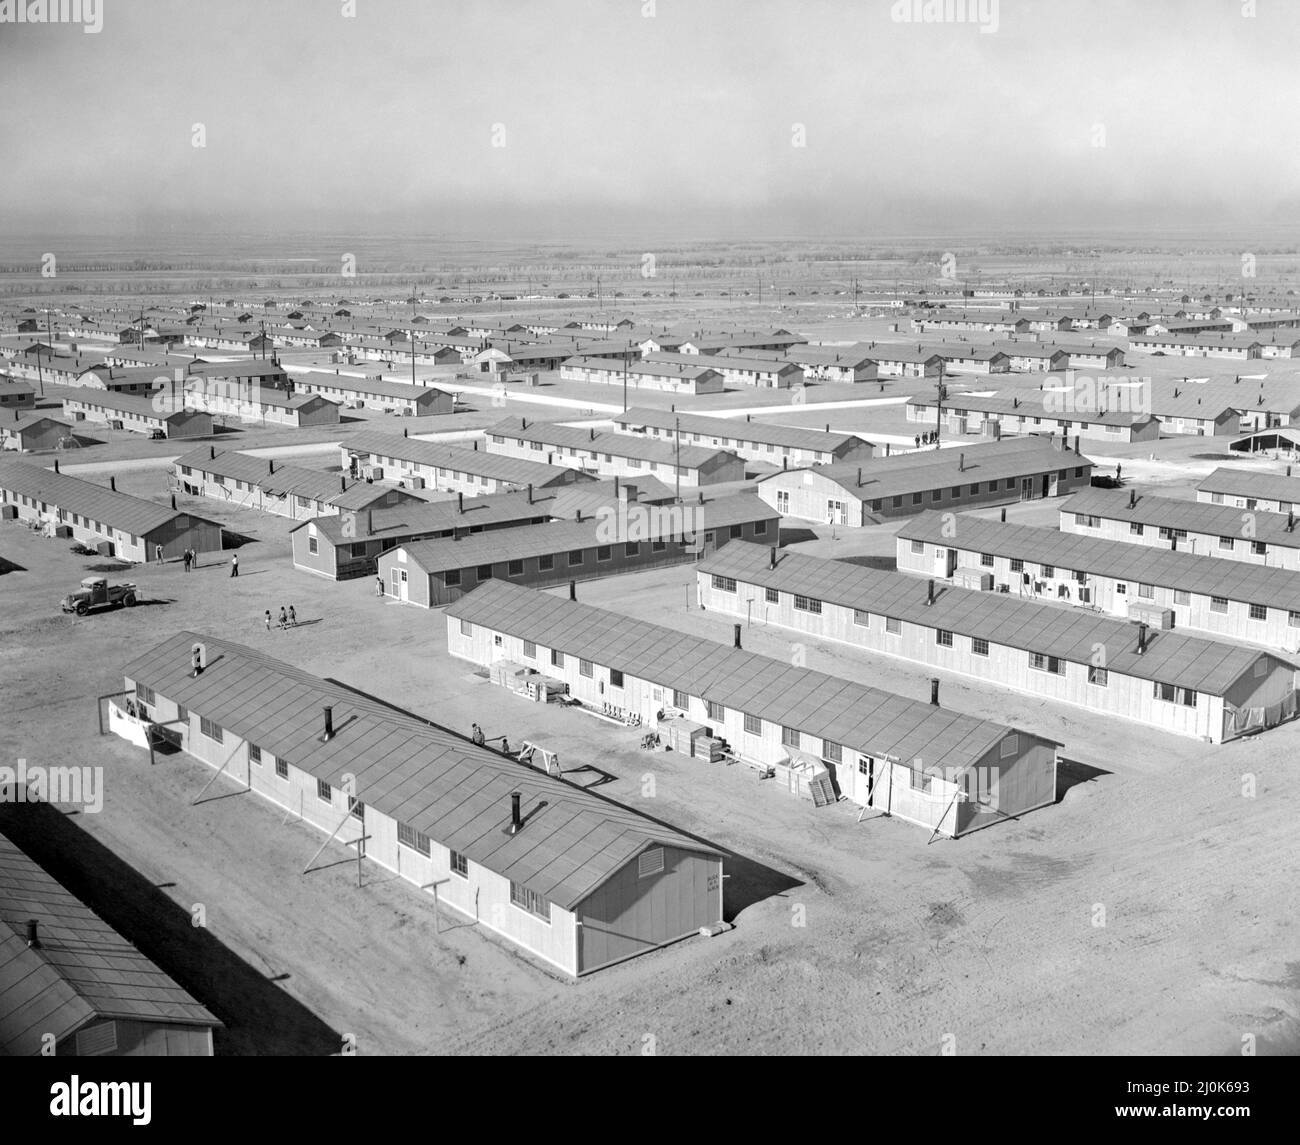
(684, 120)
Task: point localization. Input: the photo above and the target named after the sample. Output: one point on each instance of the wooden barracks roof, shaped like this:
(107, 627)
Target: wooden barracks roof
(418, 773)
(82, 971)
(863, 718)
(1209, 666)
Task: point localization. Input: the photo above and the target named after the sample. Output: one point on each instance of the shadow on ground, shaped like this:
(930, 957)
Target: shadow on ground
(259, 1017)
(1070, 773)
(796, 535)
(889, 564)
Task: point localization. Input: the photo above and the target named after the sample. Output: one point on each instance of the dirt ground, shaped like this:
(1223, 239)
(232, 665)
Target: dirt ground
(849, 937)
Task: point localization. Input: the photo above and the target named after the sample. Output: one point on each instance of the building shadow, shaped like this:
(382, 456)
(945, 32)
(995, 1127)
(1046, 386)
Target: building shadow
(795, 535)
(889, 564)
(8, 566)
(259, 1018)
(1070, 773)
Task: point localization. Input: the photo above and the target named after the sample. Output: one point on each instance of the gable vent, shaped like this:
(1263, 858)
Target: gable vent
(650, 862)
(95, 1040)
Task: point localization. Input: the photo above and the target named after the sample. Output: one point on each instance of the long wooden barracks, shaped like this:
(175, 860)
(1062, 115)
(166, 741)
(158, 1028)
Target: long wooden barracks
(1189, 685)
(821, 736)
(1219, 531)
(1161, 588)
(967, 476)
(570, 877)
(623, 538)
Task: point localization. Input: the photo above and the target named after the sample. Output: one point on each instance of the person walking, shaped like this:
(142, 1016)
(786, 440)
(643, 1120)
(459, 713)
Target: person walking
(185, 557)
(293, 617)
(268, 620)
(284, 619)
(234, 565)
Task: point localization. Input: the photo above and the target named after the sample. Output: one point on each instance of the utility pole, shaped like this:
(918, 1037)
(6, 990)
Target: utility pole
(413, 382)
(625, 357)
(677, 469)
(942, 391)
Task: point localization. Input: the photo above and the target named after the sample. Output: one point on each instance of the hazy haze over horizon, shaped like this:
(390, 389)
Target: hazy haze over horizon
(681, 123)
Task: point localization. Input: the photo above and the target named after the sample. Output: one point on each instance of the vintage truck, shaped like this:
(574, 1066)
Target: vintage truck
(96, 592)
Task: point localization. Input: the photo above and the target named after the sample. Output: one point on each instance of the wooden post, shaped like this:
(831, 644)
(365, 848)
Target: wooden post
(437, 917)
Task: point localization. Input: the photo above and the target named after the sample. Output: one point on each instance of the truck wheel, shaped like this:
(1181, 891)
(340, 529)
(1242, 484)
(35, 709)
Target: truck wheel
(129, 600)
(81, 609)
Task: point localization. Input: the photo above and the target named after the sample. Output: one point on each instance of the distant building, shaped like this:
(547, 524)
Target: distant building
(139, 413)
(754, 440)
(970, 476)
(639, 375)
(293, 491)
(738, 372)
(612, 454)
(376, 393)
(1032, 414)
(448, 468)
(633, 538)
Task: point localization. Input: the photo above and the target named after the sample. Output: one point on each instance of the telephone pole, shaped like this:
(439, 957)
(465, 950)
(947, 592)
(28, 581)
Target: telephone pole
(413, 381)
(942, 392)
(677, 469)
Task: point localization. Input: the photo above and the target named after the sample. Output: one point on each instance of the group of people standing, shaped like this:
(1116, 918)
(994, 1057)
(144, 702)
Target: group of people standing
(929, 437)
(287, 619)
(190, 557)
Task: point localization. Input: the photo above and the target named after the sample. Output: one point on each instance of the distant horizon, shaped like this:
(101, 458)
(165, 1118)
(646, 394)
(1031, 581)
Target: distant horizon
(570, 120)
